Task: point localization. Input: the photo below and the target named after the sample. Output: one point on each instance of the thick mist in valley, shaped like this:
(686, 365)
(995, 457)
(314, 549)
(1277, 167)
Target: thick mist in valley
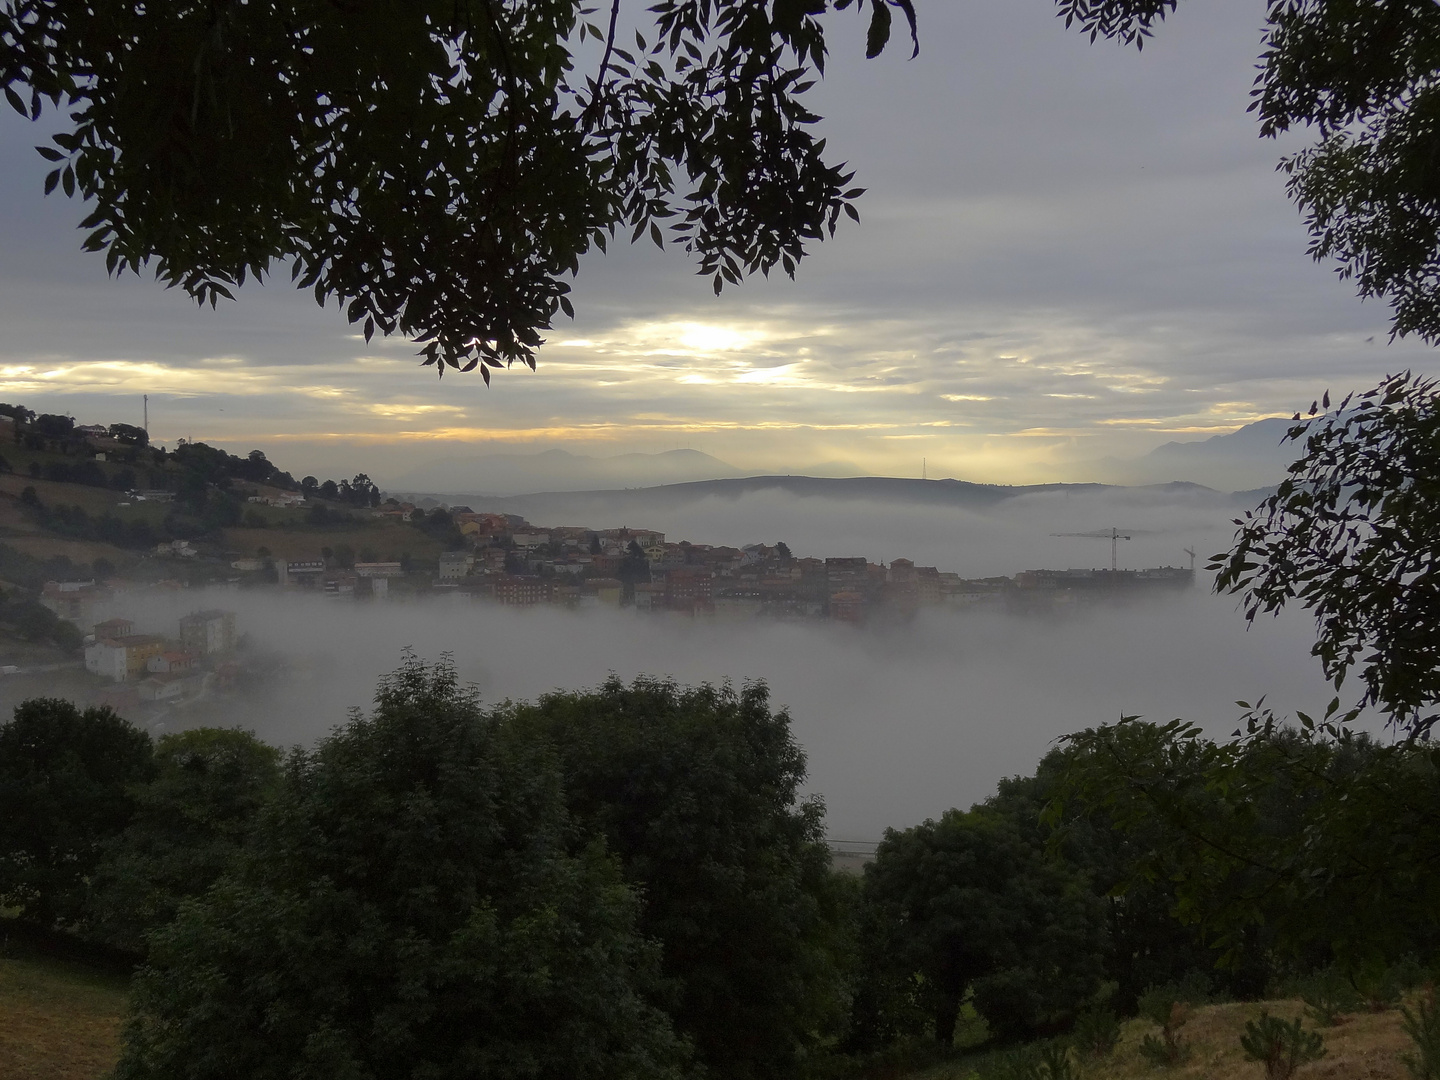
(900, 722)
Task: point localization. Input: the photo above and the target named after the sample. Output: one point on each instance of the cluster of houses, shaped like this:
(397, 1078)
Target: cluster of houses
(516, 564)
(156, 668)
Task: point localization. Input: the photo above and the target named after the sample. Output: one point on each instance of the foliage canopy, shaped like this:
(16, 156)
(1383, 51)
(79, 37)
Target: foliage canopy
(697, 790)
(65, 779)
(189, 820)
(1351, 534)
(409, 905)
(973, 907)
(436, 168)
(1324, 842)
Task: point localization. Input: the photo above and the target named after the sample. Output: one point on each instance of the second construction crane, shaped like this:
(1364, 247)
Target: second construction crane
(1113, 535)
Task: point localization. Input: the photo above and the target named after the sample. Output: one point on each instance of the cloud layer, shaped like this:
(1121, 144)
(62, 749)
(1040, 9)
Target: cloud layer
(1067, 251)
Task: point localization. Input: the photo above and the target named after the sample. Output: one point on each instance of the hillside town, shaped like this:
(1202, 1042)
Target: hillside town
(506, 560)
(96, 523)
(509, 561)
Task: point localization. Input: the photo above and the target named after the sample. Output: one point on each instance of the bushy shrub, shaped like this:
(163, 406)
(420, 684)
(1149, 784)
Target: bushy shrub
(1281, 1047)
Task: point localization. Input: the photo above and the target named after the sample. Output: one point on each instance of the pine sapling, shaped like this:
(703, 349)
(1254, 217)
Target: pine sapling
(1096, 1032)
(1328, 998)
(1423, 1027)
(1282, 1047)
(1057, 1064)
(1171, 1015)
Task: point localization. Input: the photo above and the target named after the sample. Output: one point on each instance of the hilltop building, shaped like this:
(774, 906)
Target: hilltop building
(304, 574)
(74, 600)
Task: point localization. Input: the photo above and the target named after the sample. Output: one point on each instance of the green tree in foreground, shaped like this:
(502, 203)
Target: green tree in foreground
(1326, 844)
(698, 792)
(1352, 534)
(969, 907)
(189, 822)
(408, 906)
(65, 792)
(436, 168)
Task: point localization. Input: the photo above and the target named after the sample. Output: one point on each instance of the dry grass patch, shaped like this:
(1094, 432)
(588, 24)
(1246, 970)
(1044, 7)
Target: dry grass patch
(1365, 1045)
(94, 500)
(58, 1021)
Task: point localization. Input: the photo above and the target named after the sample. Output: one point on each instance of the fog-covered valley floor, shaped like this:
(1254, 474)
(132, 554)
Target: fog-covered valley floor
(899, 723)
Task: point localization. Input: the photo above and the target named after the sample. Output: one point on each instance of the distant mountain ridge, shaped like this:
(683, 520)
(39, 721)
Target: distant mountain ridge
(550, 470)
(554, 505)
(1253, 456)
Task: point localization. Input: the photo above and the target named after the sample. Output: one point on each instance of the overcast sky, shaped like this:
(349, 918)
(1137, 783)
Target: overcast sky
(1068, 251)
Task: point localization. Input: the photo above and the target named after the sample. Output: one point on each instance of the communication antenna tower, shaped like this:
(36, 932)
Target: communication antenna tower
(147, 414)
(1113, 535)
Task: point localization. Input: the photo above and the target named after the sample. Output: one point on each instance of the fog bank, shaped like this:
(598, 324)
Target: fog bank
(898, 724)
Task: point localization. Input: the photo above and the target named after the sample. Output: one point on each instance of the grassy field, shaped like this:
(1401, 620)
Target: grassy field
(1364, 1046)
(61, 1021)
(58, 1020)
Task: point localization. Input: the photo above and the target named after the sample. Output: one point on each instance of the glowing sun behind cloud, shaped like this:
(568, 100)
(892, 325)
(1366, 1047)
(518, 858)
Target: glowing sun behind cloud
(709, 338)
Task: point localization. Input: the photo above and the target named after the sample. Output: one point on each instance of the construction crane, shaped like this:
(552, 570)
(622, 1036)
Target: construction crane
(1113, 535)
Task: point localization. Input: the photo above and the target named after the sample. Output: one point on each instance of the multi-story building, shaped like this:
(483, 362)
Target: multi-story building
(515, 590)
(847, 576)
(454, 565)
(171, 662)
(74, 600)
(605, 590)
(649, 596)
(305, 574)
(123, 658)
(847, 607)
(688, 588)
(208, 632)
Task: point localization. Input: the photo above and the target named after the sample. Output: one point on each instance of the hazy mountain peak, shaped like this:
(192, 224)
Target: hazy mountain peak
(1254, 456)
(561, 470)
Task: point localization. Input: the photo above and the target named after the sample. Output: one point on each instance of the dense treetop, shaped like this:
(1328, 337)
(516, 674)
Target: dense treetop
(437, 168)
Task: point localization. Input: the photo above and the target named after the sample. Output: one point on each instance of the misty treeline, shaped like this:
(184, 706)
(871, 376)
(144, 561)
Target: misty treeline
(628, 881)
